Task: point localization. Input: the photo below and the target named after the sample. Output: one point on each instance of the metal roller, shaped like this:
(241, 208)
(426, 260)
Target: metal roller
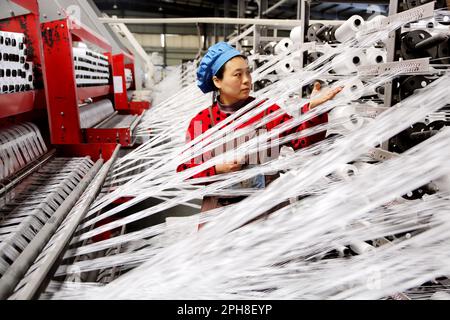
(416, 44)
(432, 41)
(27, 255)
(311, 34)
(36, 265)
(269, 49)
(412, 83)
(327, 33)
(37, 198)
(313, 56)
(94, 113)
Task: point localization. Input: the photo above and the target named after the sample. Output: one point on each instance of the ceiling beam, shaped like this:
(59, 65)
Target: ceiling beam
(176, 8)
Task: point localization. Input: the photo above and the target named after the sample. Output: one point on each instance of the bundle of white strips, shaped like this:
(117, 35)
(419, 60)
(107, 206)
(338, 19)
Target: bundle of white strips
(301, 249)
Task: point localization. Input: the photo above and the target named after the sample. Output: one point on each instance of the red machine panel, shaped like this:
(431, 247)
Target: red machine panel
(12, 104)
(121, 136)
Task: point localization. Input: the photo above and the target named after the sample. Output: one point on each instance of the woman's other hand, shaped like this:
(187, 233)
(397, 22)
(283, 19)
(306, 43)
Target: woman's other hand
(228, 167)
(318, 96)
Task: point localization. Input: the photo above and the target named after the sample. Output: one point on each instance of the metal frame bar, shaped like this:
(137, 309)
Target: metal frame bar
(276, 5)
(25, 172)
(390, 56)
(31, 5)
(83, 32)
(61, 89)
(263, 22)
(242, 35)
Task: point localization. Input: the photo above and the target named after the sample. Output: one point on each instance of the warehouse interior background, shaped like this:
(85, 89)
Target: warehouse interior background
(175, 43)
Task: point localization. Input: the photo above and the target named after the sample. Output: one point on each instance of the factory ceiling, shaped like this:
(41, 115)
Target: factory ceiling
(338, 9)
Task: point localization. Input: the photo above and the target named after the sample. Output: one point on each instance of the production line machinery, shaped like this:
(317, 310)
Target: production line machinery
(46, 193)
(38, 185)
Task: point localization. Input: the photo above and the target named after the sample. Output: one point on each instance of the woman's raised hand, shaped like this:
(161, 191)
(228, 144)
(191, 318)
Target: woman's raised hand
(319, 96)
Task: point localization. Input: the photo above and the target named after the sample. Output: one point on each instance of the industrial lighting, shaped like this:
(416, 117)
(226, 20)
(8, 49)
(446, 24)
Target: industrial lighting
(163, 42)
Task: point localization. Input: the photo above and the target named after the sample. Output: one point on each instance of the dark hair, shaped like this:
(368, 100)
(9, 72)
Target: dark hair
(219, 75)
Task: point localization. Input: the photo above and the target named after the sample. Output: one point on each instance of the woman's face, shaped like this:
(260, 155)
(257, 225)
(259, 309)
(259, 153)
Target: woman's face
(236, 82)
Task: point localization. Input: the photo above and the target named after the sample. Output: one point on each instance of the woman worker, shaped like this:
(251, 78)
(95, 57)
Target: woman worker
(225, 70)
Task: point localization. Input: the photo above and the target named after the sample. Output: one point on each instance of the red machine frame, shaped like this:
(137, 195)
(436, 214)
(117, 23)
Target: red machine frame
(63, 95)
(121, 62)
(52, 42)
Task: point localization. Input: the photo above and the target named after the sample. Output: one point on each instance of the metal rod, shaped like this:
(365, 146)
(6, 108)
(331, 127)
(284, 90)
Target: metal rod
(245, 21)
(136, 121)
(21, 265)
(242, 35)
(327, 22)
(276, 5)
(266, 22)
(41, 274)
(22, 175)
(99, 125)
(226, 14)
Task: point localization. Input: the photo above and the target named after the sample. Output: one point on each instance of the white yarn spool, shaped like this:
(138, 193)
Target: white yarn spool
(440, 295)
(286, 66)
(361, 247)
(296, 34)
(346, 172)
(443, 183)
(375, 21)
(353, 89)
(360, 165)
(375, 55)
(348, 61)
(296, 62)
(284, 45)
(373, 24)
(349, 28)
(342, 250)
(347, 114)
